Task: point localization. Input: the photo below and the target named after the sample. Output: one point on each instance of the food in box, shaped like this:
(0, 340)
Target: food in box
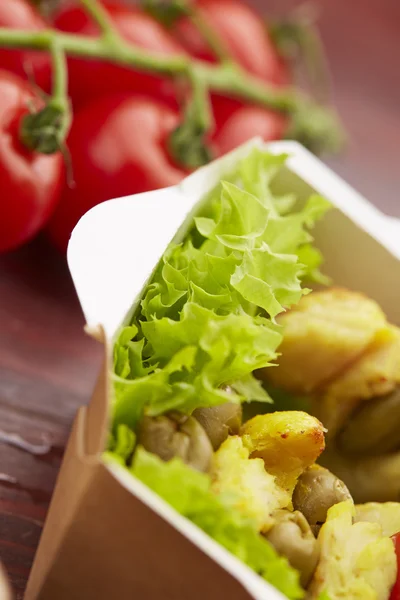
(185, 326)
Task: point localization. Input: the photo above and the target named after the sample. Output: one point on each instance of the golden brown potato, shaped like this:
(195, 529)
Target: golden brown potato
(287, 441)
(376, 373)
(323, 334)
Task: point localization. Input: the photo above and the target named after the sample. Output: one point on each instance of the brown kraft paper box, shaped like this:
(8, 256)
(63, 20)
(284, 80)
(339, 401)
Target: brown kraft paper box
(106, 535)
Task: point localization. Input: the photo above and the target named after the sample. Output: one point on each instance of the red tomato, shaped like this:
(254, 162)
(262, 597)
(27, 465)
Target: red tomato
(395, 595)
(236, 123)
(91, 79)
(19, 14)
(30, 183)
(117, 148)
(244, 33)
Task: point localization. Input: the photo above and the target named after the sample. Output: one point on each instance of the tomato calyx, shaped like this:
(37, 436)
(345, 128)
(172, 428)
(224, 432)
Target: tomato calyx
(44, 130)
(188, 146)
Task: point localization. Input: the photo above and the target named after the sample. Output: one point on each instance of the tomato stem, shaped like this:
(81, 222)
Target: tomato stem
(100, 16)
(59, 98)
(299, 42)
(168, 12)
(88, 47)
(199, 107)
(60, 74)
(214, 41)
(46, 130)
(188, 143)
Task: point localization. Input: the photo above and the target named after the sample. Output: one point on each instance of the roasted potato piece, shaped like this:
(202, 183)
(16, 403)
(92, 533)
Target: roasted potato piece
(356, 562)
(292, 537)
(287, 441)
(376, 373)
(316, 491)
(323, 334)
(386, 514)
(254, 491)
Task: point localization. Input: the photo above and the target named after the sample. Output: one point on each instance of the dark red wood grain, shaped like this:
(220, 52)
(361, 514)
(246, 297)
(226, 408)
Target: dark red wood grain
(47, 364)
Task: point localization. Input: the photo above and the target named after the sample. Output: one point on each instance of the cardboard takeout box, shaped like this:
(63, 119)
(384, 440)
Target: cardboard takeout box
(5, 590)
(108, 536)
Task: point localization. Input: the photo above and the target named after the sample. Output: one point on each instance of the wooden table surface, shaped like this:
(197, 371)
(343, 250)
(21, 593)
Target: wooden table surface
(47, 364)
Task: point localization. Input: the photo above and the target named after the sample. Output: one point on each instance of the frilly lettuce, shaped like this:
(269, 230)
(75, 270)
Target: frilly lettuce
(206, 319)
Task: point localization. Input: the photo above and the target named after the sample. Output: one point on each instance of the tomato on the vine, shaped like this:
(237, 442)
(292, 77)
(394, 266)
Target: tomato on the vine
(236, 123)
(20, 14)
(30, 183)
(90, 79)
(117, 147)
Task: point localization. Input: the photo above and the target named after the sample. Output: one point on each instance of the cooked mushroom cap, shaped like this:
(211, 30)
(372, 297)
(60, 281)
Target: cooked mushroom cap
(316, 491)
(176, 435)
(220, 421)
(292, 537)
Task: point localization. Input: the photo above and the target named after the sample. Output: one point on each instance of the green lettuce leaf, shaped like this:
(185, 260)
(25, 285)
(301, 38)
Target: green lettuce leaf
(251, 389)
(207, 317)
(188, 491)
(121, 445)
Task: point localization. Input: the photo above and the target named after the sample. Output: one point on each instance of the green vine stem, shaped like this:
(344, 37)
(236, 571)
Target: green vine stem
(46, 130)
(215, 43)
(60, 75)
(168, 12)
(100, 16)
(299, 42)
(188, 143)
(323, 132)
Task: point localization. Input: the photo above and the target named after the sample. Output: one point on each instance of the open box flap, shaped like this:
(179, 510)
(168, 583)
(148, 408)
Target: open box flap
(116, 245)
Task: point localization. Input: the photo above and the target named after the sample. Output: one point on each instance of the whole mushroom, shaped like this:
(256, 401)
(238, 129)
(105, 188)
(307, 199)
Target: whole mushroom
(176, 435)
(292, 537)
(220, 421)
(316, 491)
